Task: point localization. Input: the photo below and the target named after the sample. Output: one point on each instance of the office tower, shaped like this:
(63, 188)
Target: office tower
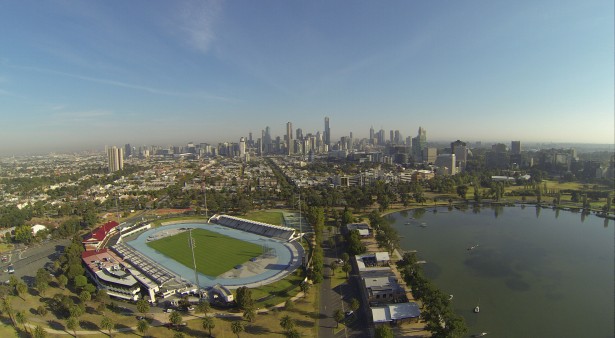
(115, 157)
(351, 142)
(127, 150)
(515, 147)
(242, 148)
(268, 143)
(371, 134)
(391, 136)
(430, 154)
(299, 134)
(327, 134)
(289, 138)
(446, 164)
(381, 137)
(419, 143)
(397, 137)
(460, 150)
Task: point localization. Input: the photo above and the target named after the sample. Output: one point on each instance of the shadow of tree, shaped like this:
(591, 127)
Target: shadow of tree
(87, 325)
(54, 324)
(304, 323)
(256, 329)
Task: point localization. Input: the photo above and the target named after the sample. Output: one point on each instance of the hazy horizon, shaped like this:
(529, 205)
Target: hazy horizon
(79, 75)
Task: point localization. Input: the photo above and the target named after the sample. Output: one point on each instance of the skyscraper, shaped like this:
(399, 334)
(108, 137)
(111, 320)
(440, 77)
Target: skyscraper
(419, 143)
(515, 147)
(327, 133)
(115, 158)
(127, 150)
(242, 148)
(371, 133)
(289, 137)
(460, 150)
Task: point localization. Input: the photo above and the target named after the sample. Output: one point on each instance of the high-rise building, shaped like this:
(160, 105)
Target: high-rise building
(371, 134)
(299, 134)
(327, 134)
(391, 136)
(515, 147)
(460, 150)
(127, 150)
(115, 158)
(242, 148)
(289, 138)
(419, 143)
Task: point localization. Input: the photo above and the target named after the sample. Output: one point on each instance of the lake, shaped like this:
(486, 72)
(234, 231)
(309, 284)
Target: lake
(534, 272)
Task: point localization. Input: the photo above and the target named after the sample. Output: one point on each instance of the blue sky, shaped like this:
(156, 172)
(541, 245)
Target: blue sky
(82, 74)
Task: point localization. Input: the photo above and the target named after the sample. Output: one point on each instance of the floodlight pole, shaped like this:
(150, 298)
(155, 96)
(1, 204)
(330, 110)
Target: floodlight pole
(196, 274)
(300, 230)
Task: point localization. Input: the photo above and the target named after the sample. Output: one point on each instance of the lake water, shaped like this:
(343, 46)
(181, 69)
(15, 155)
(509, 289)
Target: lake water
(536, 272)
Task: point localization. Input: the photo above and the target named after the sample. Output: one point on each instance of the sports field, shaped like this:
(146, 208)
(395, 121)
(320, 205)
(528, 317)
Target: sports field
(214, 253)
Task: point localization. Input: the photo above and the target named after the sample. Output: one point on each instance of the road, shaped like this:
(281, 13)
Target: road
(338, 298)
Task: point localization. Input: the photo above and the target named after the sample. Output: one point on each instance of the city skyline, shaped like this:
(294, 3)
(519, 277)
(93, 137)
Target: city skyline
(81, 75)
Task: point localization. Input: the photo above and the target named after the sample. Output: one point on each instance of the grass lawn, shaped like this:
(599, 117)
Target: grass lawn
(278, 290)
(269, 217)
(214, 253)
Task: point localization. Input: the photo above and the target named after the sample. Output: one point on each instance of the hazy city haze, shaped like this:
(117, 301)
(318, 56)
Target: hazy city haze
(77, 74)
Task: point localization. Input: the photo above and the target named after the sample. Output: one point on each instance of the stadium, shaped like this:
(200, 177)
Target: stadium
(229, 252)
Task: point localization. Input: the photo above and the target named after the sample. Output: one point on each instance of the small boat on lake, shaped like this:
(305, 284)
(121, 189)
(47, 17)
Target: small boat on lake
(423, 225)
(480, 334)
(473, 247)
(450, 297)
(477, 309)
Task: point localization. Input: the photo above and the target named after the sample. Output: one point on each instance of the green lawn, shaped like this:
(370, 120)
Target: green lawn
(269, 217)
(214, 253)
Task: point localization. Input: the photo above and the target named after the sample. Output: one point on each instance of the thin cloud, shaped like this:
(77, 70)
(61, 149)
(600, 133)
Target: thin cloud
(196, 20)
(200, 95)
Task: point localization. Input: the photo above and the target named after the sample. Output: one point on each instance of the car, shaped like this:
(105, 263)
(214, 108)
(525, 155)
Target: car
(169, 310)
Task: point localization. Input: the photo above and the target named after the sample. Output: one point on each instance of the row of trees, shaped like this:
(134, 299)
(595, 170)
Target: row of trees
(437, 311)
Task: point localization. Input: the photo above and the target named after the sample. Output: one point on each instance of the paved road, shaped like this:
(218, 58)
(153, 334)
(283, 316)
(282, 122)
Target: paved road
(338, 298)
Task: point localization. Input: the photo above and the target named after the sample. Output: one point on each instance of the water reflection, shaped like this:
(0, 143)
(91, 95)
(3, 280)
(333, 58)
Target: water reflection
(418, 213)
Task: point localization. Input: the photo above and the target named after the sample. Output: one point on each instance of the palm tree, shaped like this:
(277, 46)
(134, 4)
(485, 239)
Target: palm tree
(72, 324)
(305, 288)
(175, 318)
(142, 326)
(208, 324)
(338, 316)
(7, 308)
(21, 289)
(237, 327)
(143, 306)
(293, 334)
(39, 332)
(287, 323)
(202, 307)
(106, 324)
(20, 317)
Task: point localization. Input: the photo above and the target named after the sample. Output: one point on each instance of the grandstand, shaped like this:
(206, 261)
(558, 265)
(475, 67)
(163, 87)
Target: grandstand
(258, 228)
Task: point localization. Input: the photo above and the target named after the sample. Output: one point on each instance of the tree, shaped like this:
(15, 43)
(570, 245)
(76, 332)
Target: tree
(287, 323)
(41, 310)
(203, 307)
(175, 318)
(143, 306)
(20, 318)
(142, 326)
(346, 268)
(107, 324)
(7, 308)
(305, 288)
(237, 327)
(384, 331)
(354, 304)
(72, 324)
(21, 289)
(80, 281)
(85, 296)
(62, 281)
(42, 280)
(338, 315)
(249, 314)
(462, 190)
(178, 335)
(39, 332)
(23, 234)
(244, 298)
(208, 324)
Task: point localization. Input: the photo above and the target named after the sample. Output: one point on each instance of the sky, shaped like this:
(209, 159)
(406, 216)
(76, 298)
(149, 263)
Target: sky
(84, 74)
